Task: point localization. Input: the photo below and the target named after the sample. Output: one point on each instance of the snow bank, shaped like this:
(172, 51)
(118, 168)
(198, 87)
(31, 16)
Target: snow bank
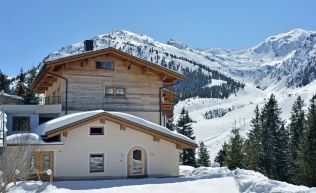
(247, 180)
(75, 117)
(196, 180)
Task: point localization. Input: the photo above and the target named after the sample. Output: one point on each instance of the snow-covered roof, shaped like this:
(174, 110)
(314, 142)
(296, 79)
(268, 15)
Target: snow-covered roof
(67, 120)
(63, 121)
(11, 96)
(27, 139)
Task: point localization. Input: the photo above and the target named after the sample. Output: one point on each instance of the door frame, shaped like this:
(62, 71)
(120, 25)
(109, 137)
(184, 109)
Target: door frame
(39, 162)
(144, 158)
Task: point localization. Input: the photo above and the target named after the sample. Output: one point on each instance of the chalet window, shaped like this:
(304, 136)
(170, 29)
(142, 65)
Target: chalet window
(21, 124)
(46, 162)
(33, 163)
(96, 131)
(96, 163)
(105, 65)
(109, 91)
(120, 91)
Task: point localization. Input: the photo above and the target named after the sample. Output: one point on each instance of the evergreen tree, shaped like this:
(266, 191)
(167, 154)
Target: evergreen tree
(271, 123)
(187, 156)
(203, 156)
(282, 161)
(296, 127)
(234, 153)
(4, 83)
(170, 125)
(252, 146)
(221, 155)
(21, 81)
(29, 96)
(307, 155)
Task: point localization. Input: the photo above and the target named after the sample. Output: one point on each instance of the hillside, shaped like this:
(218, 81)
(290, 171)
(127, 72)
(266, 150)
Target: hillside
(223, 86)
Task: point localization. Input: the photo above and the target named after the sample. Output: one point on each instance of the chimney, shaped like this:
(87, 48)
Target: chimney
(88, 45)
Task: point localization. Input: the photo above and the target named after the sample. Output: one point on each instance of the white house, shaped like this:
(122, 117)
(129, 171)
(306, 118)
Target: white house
(99, 144)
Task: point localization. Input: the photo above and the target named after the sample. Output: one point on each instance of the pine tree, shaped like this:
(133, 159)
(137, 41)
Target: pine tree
(203, 156)
(221, 155)
(170, 125)
(21, 82)
(252, 146)
(307, 155)
(282, 154)
(234, 153)
(29, 96)
(187, 156)
(4, 83)
(271, 123)
(296, 127)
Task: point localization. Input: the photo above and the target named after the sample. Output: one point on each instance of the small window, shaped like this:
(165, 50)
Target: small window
(46, 162)
(96, 163)
(109, 91)
(120, 91)
(96, 131)
(105, 65)
(33, 163)
(21, 124)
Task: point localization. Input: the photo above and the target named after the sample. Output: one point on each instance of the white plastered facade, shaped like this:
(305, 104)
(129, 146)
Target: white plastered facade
(71, 160)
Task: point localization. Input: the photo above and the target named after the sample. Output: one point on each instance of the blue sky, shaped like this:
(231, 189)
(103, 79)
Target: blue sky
(31, 29)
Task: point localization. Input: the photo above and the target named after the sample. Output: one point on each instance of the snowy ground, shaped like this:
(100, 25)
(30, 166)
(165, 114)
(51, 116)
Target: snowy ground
(200, 180)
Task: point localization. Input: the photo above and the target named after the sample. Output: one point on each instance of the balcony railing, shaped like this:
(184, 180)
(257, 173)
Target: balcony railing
(51, 100)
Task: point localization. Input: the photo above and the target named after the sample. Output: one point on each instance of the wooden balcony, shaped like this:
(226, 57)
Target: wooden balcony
(51, 100)
(167, 109)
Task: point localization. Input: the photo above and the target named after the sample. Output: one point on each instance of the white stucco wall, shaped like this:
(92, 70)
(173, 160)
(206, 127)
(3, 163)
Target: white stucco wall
(71, 160)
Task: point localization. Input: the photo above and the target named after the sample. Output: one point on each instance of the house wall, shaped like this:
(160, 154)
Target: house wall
(32, 111)
(86, 86)
(72, 158)
(34, 120)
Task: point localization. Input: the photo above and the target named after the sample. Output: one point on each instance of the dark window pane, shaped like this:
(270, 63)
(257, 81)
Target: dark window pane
(120, 91)
(46, 162)
(96, 163)
(137, 155)
(21, 124)
(109, 91)
(96, 131)
(105, 65)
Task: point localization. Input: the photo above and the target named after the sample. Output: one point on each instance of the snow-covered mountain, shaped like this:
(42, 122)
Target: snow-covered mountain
(234, 82)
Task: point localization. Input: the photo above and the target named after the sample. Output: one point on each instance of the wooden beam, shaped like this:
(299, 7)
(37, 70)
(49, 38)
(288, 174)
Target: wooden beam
(155, 138)
(178, 146)
(162, 76)
(50, 79)
(144, 69)
(102, 120)
(122, 127)
(45, 84)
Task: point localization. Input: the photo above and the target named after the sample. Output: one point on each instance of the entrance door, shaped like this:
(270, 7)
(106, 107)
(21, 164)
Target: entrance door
(41, 162)
(137, 162)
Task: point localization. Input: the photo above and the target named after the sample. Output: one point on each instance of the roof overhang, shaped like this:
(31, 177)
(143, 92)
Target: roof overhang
(180, 143)
(90, 54)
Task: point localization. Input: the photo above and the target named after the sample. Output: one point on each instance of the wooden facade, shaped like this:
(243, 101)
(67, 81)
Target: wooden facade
(143, 83)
